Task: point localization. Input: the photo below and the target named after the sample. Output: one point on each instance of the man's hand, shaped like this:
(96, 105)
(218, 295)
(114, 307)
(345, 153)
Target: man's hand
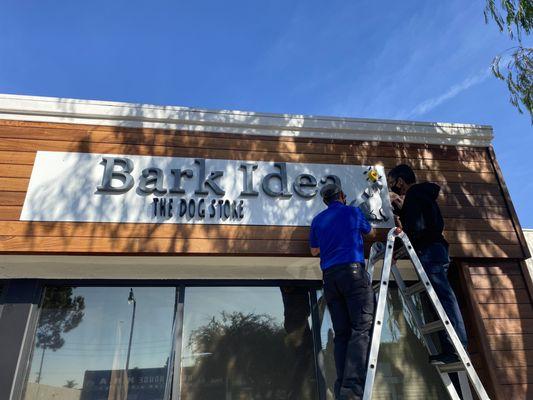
(315, 251)
(396, 200)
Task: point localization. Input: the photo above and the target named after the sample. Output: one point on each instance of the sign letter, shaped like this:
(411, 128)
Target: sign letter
(248, 185)
(111, 174)
(202, 182)
(305, 181)
(282, 176)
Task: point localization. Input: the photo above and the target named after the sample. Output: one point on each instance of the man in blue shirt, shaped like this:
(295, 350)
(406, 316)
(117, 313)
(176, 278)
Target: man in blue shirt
(336, 235)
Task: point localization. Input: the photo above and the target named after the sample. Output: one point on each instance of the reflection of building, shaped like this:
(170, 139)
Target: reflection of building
(143, 384)
(205, 212)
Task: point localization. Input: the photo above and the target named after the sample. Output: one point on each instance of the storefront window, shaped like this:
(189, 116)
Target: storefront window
(237, 343)
(102, 343)
(247, 343)
(403, 371)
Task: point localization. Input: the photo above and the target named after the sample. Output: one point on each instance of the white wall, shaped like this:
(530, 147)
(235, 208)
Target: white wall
(529, 238)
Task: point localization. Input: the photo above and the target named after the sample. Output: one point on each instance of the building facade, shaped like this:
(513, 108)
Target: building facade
(155, 252)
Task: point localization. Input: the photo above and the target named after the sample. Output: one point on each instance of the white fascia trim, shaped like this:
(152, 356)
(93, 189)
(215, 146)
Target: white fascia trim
(59, 110)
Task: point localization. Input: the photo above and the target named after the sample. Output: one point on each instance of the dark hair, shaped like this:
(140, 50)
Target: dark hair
(333, 198)
(403, 171)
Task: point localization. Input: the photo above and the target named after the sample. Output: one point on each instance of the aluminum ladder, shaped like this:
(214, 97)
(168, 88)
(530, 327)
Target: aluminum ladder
(464, 368)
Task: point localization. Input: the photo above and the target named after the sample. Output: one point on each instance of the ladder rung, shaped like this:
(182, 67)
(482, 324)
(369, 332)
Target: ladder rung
(432, 327)
(416, 288)
(452, 367)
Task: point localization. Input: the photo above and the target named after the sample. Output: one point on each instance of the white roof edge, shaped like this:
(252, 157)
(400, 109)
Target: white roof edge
(95, 112)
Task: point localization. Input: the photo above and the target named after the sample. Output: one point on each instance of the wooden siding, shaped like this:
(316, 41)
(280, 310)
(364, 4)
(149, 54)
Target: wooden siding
(504, 309)
(478, 220)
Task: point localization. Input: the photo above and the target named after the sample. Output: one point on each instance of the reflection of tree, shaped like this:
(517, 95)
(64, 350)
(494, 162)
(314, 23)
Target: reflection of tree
(71, 384)
(61, 312)
(299, 340)
(239, 355)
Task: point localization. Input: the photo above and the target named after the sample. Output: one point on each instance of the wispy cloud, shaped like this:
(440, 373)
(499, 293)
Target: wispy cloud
(429, 104)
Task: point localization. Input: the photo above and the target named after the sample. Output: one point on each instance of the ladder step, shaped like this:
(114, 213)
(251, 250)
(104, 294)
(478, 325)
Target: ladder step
(376, 287)
(452, 367)
(432, 327)
(416, 288)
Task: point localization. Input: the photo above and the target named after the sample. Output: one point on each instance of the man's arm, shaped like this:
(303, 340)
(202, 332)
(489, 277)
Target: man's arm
(364, 225)
(313, 241)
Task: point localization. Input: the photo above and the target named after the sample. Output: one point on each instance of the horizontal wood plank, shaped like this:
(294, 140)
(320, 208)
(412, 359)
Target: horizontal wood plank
(515, 358)
(145, 230)
(28, 158)
(504, 296)
(489, 311)
(513, 376)
(18, 157)
(511, 341)
(12, 198)
(508, 326)
(481, 225)
(505, 269)
(498, 282)
(220, 153)
(518, 392)
(14, 184)
(150, 246)
(300, 248)
(167, 138)
(126, 230)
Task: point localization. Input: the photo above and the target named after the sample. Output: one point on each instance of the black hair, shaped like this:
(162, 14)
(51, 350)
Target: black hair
(403, 171)
(331, 199)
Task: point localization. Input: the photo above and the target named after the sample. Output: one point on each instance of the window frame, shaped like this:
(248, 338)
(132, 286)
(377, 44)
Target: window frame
(173, 384)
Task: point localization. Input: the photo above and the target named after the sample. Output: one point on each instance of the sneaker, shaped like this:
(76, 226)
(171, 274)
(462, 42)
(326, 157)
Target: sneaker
(443, 358)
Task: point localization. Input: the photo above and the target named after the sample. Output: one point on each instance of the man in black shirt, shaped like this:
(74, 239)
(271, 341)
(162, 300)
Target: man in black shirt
(420, 217)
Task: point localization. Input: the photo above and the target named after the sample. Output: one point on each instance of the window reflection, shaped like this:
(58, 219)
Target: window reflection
(403, 371)
(83, 339)
(247, 343)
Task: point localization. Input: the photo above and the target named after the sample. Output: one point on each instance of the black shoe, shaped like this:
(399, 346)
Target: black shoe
(443, 358)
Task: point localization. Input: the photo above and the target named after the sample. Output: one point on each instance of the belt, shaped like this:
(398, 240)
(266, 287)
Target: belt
(336, 267)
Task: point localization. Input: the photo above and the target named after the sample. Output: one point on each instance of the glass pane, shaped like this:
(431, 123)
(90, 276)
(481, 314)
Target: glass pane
(87, 337)
(403, 371)
(242, 343)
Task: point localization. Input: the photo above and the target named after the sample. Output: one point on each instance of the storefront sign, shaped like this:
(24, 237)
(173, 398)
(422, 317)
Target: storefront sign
(129, 188)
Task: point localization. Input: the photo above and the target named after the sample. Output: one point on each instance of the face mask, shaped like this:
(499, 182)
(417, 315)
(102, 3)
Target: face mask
(395, 188)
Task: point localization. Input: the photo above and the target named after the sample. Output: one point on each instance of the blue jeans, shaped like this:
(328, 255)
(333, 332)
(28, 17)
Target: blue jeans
(350, 301)
(436, 262)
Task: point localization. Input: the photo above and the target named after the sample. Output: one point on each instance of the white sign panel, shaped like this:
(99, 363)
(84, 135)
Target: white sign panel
(129, 188)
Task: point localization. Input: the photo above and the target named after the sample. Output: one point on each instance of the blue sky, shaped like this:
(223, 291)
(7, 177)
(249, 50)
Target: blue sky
(418, 60)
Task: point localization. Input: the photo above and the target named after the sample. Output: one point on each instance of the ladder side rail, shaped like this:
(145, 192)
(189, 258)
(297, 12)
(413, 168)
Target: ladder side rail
(378, 319)
(463, 355)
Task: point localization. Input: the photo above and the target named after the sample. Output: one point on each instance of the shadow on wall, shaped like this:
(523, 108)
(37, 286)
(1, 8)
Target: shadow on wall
(477, 219)
(471, 199)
